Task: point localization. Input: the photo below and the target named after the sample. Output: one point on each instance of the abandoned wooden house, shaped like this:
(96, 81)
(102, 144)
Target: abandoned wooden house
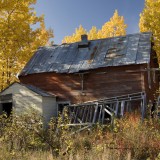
(101, 70)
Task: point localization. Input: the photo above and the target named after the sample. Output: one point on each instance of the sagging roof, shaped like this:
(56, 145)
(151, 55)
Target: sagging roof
(76, 57)
(32, 88)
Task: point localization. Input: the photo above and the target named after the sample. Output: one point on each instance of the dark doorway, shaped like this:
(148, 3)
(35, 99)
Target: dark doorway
(7, 108)
(61, 107)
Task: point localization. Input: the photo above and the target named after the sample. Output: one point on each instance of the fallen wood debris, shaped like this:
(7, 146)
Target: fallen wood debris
(104, 110)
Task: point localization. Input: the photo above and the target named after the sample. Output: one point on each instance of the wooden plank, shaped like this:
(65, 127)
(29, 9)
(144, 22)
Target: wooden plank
(116, 111)
(108, 112)
(75, 119)
(154, 76)
(103, 113)
(149, 76)
(95, 113)
(143, 107)
(122, 108)
(84, 114)
(88, 114)
(77, 124)
(100, 114)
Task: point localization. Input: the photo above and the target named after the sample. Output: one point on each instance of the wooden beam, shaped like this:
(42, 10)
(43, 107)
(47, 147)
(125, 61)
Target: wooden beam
(116, 111)
(103, 113)
(84, 114)
(88, 113)
(154, 76)
(122, 108)
(95, 113)
(149, 75)
(100, 112)
(143, 107)
(108, 112)
(75, 119)
(91, 113)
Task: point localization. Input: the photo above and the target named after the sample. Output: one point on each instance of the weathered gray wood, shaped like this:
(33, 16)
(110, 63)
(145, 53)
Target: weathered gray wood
(143, 106)
(91, 113)
(87, 115)
(149, 75)
(110, 108)
(103, 113)
(116, 111)
(78, 124)
(108, 112)
(81, 129)
(154, 76)
(84, 114)
(76, 114)
(95, 113)
(122, 108)
(99, 118)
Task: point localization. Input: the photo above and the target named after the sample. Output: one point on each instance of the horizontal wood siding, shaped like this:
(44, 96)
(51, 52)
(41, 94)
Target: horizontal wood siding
(97, 84)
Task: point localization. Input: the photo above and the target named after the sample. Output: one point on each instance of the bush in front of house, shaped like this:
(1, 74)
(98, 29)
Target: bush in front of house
(24, 137)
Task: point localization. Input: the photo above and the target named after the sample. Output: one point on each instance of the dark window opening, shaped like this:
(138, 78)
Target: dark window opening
(61, 107)
(83, 45)
(7, 108)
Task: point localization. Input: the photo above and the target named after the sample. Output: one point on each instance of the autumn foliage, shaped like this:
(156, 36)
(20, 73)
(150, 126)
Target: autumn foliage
(150, 21)
(23, 137)
(18, 39)
(114, 27)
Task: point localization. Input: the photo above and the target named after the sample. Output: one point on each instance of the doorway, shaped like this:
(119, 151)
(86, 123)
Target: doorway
(60, 106)
(7, 108)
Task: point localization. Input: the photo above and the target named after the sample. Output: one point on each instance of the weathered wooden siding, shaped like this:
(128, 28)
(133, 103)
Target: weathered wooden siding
(98, 83)
(154, 80)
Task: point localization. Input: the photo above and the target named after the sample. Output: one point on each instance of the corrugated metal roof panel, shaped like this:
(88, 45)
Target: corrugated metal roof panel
(68, 58)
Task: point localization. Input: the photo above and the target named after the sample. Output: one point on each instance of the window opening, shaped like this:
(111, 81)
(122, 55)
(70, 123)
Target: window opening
(61, 106)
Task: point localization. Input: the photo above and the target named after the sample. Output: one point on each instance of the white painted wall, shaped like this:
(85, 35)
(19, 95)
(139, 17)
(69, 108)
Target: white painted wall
(49, 108)
(25, 100)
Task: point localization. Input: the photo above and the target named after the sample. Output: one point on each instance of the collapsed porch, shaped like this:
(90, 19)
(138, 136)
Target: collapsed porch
(104, 110)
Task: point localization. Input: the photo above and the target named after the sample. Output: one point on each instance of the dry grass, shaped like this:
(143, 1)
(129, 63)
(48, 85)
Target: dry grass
(23, 138)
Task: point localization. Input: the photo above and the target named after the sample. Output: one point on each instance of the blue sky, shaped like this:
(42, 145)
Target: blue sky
(63, 16)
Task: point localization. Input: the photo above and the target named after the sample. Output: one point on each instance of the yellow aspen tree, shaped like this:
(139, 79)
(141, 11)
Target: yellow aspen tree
(150, 21)
(114, 27)
(92, 34)
(75, 37)
(18, 40)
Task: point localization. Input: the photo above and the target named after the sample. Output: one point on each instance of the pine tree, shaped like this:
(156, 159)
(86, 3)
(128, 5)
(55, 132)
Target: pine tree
(18, 40)
(150, 21)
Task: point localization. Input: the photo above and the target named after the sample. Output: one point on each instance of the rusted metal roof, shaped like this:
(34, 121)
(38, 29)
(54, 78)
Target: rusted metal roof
(70, 58)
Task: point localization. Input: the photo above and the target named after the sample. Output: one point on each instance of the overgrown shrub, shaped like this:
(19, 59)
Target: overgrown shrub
(24, 137)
